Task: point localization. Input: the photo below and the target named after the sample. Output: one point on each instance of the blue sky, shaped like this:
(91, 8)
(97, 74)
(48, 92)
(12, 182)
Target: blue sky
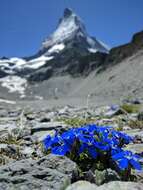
(25, 23)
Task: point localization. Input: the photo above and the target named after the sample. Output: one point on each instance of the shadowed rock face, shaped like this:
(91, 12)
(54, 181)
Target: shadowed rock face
(2, 74)
(118, 54)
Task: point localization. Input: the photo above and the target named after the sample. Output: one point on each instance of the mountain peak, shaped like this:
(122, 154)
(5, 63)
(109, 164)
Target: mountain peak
(68, 12)
(71, 30)
(69, 26)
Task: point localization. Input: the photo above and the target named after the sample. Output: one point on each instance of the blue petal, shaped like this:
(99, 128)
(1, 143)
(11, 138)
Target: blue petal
(60, 150)
(135, 164)
(136, 156)
(83, 139)
(47, 142)
(101, 146)
(68, 137)
(123, 163)
(118, 155)
(82, 148)
(92, 128)
(56, 139)
(92, 151)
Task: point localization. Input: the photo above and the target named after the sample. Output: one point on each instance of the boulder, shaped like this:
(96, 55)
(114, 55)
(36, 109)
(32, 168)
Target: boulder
(105, 176)
(82, 185)
(50, 172)
(120, 185)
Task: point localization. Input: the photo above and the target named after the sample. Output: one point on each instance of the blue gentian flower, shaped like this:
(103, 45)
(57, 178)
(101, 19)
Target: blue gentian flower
(126, 158)
(61, 150)
(94, 140)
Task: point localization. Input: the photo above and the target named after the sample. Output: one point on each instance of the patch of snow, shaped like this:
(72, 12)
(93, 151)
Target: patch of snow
(96, 46)
(90, 41)
(56, 48)
(12, 62)
(7, 101)
(38, 62)
(6, 68)
(104, 45)
(4, 60)
(92, 50)
(4, 64)
(8, 65)
(17, 61)
(14, 84)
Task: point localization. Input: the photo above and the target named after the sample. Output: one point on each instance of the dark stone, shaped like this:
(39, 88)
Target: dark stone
(105, 176)
(43, 120)
(67, 12)
(41, 74)
(140, 116)
(119, 53)
(2, 74)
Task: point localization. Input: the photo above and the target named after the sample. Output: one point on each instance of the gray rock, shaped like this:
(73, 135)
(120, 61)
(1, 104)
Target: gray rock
(120, 185)
(6, 129)
(41, 135)
(138, 176)
(60, 163)
(100, 177)
(51, 115)
(82, 185)
(64, 111)
(3, 146)
(14, 113)
(9, 149)
(3, 112)
(31, 116)
(113, 110)
(140, 116)
(31, 139)
(135, 132)
(105, 176)
(51, 172)
(27, 151)
(47, 126)
(136, 148)
(44, 120)
(41, 130)
(126, 128)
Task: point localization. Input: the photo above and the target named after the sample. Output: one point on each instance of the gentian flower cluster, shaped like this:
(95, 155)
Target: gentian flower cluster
(94, 141)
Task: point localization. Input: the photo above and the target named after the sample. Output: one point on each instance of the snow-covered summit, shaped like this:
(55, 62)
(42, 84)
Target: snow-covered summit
(71, 27)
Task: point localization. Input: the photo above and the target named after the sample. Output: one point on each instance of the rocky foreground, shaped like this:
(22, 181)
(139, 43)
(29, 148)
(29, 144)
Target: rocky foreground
(24, 164)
